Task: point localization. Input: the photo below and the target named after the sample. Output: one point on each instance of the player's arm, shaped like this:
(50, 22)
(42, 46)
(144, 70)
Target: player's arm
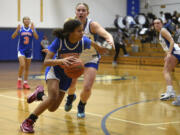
(168, 37)
(34, 31)
(99, 49)
(53, 62)
(45, 50)
(14, 35)
(53, 48)
(49, 61)
(96, 28)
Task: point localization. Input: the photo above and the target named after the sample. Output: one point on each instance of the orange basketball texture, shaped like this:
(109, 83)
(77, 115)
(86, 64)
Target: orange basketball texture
(75, 70)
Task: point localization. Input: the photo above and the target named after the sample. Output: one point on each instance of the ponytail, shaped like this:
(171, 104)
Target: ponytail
(58, 33)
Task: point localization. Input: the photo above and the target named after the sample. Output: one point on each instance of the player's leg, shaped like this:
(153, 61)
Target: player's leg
(177, 101)
(37, 95)
(26, 73)
(43, 67)
(53, 95)
(117, 50)
(50, 100)
(21, 58)
(124, 50)
(71, 96)
(170, 63)
(72, 88)
(89, 77)
(57, 101)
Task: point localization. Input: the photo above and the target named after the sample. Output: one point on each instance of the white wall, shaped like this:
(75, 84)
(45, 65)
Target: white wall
(8, 13)
(56, 11)
(155, 6)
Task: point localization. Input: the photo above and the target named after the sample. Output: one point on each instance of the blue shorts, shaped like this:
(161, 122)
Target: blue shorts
(93, 65)
(58, 73)
(177, 56)
(26, 54)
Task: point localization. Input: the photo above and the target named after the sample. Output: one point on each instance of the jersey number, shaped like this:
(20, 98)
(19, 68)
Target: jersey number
(26, 40)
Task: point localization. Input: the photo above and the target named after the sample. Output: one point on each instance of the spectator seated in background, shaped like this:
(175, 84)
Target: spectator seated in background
(177, 34)
(116, 21)
(44, 45)
(119, 43)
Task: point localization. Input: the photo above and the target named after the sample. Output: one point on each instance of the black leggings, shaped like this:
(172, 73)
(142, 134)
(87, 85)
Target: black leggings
(43, 55)
(117, 49)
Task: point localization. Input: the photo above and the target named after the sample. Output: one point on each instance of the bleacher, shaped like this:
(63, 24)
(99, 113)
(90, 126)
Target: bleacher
(147, 54)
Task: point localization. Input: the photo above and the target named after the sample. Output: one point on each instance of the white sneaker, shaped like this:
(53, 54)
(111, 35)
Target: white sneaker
(177, 101)
(163, 94)
(168, 95)
(126, 55)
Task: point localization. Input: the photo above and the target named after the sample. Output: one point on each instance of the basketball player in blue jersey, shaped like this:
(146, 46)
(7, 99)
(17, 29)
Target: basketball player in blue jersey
(70, 40)
(91, 29)
(171, 60)
(24, 50)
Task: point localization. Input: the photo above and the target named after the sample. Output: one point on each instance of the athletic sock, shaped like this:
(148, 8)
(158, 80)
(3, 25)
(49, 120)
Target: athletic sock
(169, 88)
(25, 81)
(81, 103)
(70, 99)
(19, 78)
(33, 117)
(40, 95)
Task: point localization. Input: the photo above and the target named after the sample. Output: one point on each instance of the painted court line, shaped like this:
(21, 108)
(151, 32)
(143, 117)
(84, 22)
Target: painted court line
(162, 128)
(101, 116)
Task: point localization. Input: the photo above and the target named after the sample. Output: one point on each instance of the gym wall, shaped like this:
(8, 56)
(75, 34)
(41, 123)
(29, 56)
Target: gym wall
(54, 14)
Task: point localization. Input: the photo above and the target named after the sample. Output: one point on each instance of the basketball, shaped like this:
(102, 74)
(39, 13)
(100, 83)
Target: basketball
(75, 70)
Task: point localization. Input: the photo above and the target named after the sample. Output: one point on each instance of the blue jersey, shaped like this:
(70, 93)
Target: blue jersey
(95, 57)
(25, 39)
(61, 47)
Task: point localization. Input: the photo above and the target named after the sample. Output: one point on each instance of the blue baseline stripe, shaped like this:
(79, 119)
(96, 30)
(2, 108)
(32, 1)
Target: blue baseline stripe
(103, 122)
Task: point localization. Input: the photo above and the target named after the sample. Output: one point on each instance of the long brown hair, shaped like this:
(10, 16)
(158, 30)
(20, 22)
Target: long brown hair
(68, 27)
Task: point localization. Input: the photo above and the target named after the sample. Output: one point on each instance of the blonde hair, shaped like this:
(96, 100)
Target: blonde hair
(68, 19)
(86, 5)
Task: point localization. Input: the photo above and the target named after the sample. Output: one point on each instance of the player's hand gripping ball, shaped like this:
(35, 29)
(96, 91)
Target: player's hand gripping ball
(76, 69)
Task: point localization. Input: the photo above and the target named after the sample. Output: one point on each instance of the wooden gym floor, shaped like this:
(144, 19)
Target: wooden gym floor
(124, 101)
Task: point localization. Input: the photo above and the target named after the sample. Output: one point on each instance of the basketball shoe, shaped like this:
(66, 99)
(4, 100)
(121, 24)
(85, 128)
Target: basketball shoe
(81, 111)
(168, 95)
(27, 126)
(19, 84)
(31, 98)
(26, 86)
(69, 101)
(177, 101)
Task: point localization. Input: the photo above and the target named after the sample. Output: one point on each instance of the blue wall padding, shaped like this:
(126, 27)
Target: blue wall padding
(9, 46)
(133, 7)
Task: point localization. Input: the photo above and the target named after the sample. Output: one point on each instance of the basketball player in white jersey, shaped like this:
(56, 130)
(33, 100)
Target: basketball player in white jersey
(91, 30)
(171, 60)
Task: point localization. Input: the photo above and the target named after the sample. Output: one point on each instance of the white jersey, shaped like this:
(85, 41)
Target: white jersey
(94, 55)
(165, 44)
